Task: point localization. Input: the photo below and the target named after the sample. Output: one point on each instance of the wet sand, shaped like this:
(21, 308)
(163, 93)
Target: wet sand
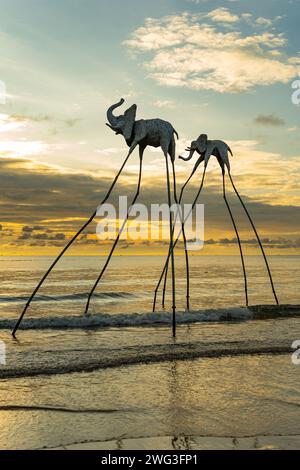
(233, 402)
(192, 443)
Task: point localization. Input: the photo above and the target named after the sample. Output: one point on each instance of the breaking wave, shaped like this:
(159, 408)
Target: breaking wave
(100, 320)
(88, 357)
(103, 320)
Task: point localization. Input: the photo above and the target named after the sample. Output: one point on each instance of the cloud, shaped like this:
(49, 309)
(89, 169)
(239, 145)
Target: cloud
(15, 121)
(164, 104)
(24, 118)
(189, 52)
(269, 120)
(28, 229)
(12, 148)
(42, 237)
(294, 60)
(9, 123)
(45, 236)
(45, 202)
(71, 122)
(223, 15)
(264, 21)
(111, 150)
(281, 243)
(206, 1)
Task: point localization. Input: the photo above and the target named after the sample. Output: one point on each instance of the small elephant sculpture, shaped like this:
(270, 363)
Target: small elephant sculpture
(205, 148)
(144, 132)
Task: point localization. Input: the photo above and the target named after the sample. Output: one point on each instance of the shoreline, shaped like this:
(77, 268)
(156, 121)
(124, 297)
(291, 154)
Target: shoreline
(259, 442)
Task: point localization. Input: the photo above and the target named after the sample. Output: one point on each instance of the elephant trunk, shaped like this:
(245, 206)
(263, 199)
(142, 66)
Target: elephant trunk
(110, 116)
(192, 151)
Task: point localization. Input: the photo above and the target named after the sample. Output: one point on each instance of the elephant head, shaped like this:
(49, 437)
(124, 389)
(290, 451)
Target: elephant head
(122, 124)
(199, 145)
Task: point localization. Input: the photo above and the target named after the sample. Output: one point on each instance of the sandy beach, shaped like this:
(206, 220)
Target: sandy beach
(206, 403)
(192, 443)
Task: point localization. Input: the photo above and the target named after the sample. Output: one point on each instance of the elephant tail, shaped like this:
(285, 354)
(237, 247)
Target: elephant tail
(230, 151)
(176, 133)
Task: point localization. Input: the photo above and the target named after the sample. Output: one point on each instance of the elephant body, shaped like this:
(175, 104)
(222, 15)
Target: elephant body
(206, 148)
(153, 132)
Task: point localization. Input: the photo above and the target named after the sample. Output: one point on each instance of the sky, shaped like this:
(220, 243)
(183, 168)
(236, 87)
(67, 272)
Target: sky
(224, 68)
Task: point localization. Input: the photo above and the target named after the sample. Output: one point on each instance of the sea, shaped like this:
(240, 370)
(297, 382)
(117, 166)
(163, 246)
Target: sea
(117, 378)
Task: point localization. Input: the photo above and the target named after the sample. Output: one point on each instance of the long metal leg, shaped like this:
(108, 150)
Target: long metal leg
(185, 249)
(166, 269)
(116, 240)
(163, 299)
(66, 248)
(257, 237)
(172, 254)
(175, 243)
(237, 235)
(184, 242)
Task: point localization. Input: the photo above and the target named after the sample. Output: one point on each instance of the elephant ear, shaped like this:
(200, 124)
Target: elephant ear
(202, 142)
(203, 138)
(129, 118)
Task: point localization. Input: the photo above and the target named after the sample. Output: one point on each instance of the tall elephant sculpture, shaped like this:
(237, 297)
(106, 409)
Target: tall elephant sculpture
(141, 133)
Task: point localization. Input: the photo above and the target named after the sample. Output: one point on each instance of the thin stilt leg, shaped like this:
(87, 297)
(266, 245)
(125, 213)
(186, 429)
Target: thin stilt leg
(167, 267)
(67, 246)
(163, 300)
(257, 237)
(175, 243)
(184, 242)
(172, 253)
(237, 235)
(116, 240)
